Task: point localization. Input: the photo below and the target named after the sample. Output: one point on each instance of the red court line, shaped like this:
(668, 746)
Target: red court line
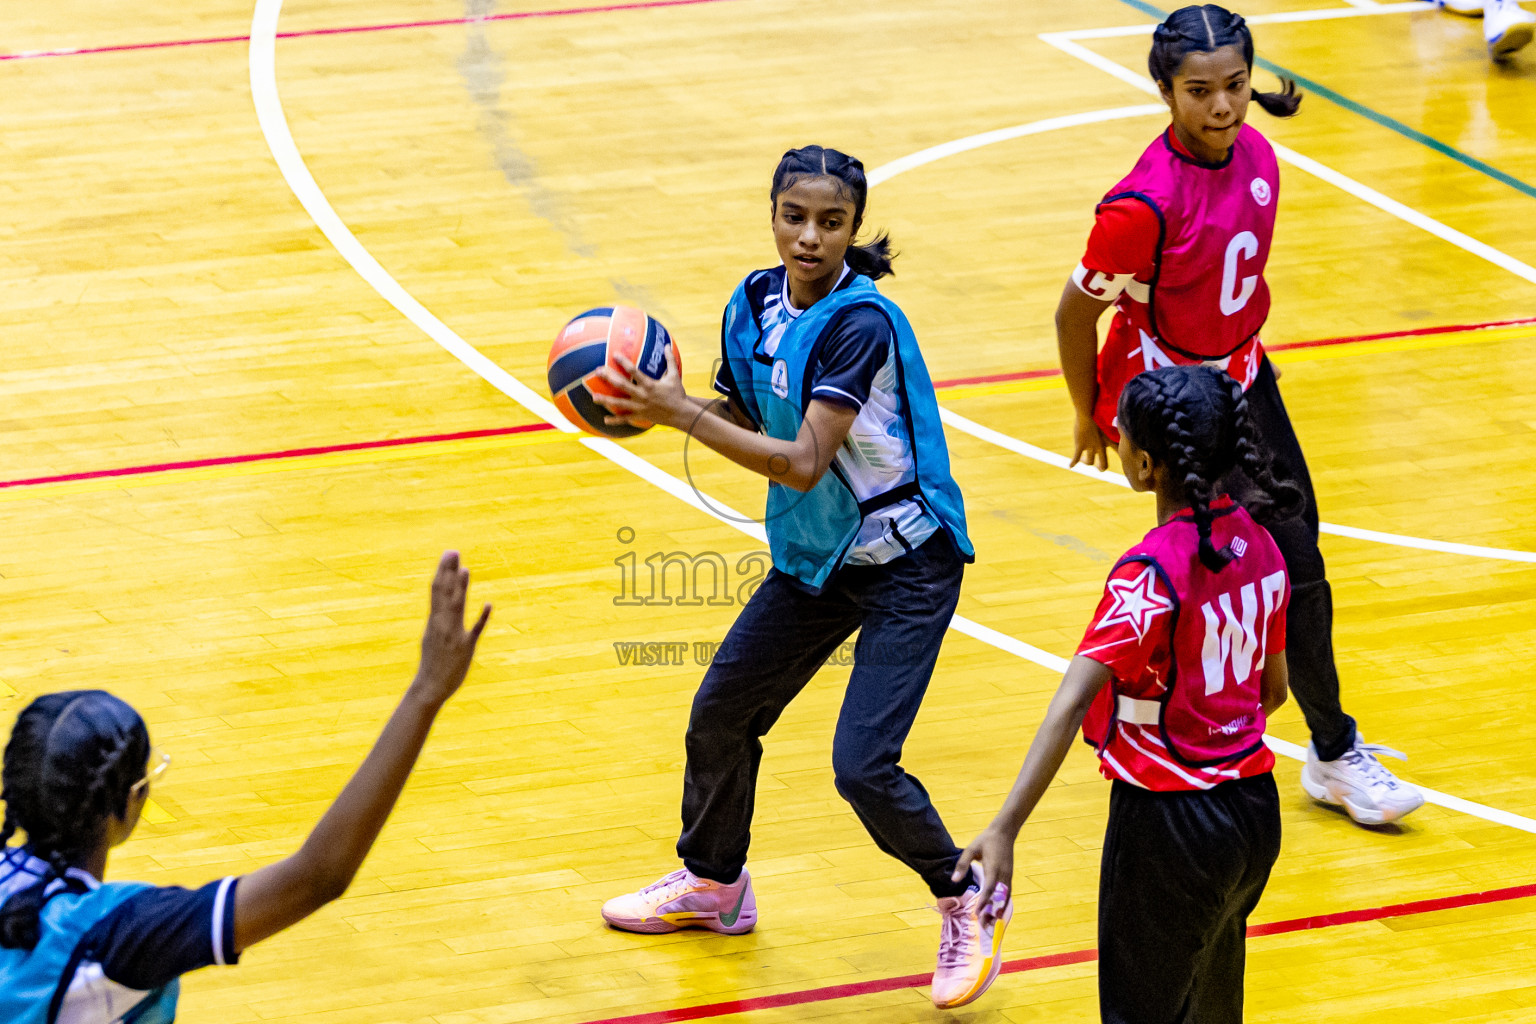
(294, 453)
(1078, 956)
(290, 453)
(350, 29)
(1417, 332)
(998, 378)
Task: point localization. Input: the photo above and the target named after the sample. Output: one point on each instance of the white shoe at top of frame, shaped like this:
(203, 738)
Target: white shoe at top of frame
(1466, 8)
(1507, 27)
(1360, 784)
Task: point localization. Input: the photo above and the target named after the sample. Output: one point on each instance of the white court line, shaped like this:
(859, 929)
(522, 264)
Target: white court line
(1284, 17)
(274, 127)
(927, 156)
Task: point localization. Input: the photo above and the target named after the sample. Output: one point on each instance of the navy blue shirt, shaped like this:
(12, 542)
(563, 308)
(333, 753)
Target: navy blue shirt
(143, 944)
(161, 934)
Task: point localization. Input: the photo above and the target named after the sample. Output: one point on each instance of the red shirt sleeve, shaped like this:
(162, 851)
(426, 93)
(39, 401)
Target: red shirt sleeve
(1124, 239)
(1132, 630)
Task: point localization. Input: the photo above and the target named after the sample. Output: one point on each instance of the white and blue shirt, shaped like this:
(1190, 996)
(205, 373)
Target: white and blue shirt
(856, 368)
(109, 953)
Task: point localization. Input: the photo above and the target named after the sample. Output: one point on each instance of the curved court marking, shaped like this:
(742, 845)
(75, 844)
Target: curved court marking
(885, 172)
(923, 157)
(279, 138)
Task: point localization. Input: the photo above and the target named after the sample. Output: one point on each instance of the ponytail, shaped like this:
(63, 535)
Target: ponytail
(1199, 482)
(874, 258)
(71, 762)
(1274, 499)
(1284, 103)
(1194, 420)
(1205, 28)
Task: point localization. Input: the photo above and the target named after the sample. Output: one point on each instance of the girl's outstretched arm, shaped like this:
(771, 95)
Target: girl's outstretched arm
(993, 849)
(281, 894)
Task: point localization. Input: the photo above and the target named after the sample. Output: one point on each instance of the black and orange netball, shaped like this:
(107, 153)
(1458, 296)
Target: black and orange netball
(591, 341)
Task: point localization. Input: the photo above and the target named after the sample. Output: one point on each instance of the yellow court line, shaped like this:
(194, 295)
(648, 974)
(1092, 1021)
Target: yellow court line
(360, 457)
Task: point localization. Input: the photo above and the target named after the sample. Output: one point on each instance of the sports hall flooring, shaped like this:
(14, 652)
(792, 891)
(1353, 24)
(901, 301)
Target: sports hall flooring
(201, 515)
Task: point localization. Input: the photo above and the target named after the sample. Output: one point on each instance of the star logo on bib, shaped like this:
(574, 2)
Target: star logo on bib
(1260, 189)
(1137, 602)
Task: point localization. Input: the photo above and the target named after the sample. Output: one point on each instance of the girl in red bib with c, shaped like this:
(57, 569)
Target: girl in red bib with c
(1178, 248)
(1182, 662)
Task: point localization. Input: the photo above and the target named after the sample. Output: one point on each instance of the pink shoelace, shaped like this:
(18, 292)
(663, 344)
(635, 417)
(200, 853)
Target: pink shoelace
(955, 930)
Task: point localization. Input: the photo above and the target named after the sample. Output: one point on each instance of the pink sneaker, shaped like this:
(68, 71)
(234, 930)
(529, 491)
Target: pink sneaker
(970, 950)
(684, 900)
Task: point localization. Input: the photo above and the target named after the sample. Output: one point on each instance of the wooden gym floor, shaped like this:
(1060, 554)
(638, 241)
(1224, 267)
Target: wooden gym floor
(201, 513)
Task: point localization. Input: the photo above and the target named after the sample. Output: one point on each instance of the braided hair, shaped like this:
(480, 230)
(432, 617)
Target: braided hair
(1194, 420)
(1206, 28)
(873, 259)
(72, 760)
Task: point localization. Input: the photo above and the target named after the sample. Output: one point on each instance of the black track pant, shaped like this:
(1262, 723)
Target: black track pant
(1309, 621)
(779, 641)
(1180, 875)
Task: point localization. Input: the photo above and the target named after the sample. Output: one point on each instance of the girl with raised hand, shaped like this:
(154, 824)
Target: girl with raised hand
(826, 395)
(1182, 662)
(76, 949)
(1178, 247)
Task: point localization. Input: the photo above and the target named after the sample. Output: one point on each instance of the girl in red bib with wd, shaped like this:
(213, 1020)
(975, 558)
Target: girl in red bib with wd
(1178, 248)
(1181, 663)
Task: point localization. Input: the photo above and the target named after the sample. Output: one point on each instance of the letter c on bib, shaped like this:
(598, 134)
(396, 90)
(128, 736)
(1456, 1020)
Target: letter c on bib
(1244, 246)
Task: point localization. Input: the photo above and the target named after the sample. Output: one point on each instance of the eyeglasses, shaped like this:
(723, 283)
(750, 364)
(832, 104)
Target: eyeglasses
(159, 764)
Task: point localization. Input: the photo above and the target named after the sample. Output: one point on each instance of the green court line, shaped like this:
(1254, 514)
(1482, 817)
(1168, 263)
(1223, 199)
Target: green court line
(1390, 123)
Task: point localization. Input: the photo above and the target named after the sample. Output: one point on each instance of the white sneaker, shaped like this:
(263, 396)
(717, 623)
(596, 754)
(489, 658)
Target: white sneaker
(1507, 26)
(1360, 784)
(1466, 8)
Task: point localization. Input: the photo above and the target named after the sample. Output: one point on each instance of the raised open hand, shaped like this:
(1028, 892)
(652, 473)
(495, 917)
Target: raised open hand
(446, 646)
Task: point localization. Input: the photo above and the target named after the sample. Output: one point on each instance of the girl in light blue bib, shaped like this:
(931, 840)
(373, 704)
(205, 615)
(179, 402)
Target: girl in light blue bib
(825, 393)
